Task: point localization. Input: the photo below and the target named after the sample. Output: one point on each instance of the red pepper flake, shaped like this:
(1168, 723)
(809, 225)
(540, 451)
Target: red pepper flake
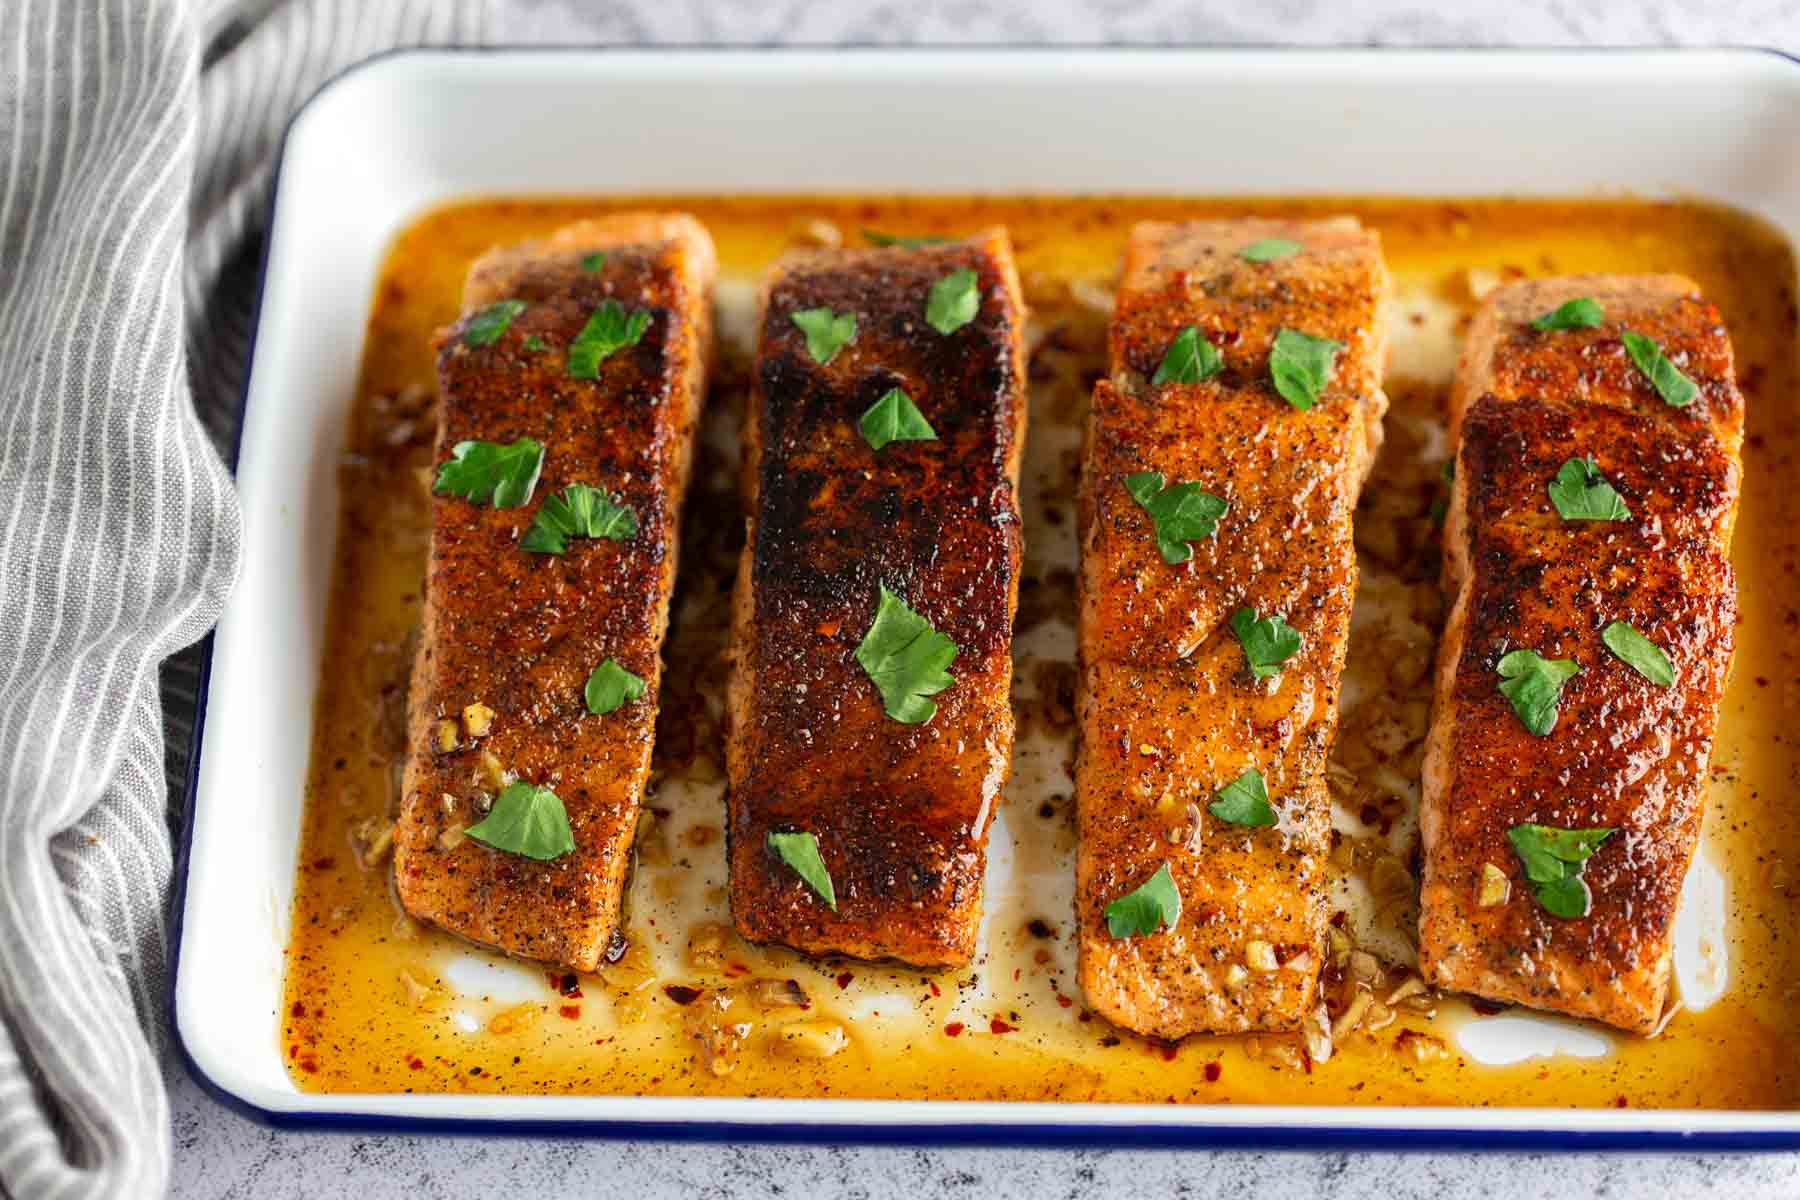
(1621, 1102)
(843, 981)
(996, 1025)
(294, 1050)
(1213, 1071)
(1167, 1050)
(570, 986)
(1086, 1016)
(682, 994)
(570, 1011)
(953, 1029)
(310, 1065)
(934, 990)
(299, 1009)
(324, 864)
(417, 1064)
(1065, 1001)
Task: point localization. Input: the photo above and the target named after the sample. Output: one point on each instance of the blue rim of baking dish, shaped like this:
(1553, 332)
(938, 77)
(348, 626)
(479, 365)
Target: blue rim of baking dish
(1273, 1136)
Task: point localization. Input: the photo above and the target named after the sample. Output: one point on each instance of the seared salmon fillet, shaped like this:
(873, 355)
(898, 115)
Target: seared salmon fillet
(510, 637)
(1625, 753)
(1171, 712)
(898, 811)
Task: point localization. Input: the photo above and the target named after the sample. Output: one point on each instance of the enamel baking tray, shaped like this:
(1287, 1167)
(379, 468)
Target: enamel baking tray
(408, 131)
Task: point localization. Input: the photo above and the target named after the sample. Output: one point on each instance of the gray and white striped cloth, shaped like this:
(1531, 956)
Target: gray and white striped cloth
(136, 138)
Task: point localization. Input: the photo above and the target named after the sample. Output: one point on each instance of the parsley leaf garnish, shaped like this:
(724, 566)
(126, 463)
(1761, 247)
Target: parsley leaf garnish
(1181, 512)
(1579, 313)
(1267, 643)
(486, 326)
(895, 418)
(487, 471)
(1189, 359)
(1553, 860)
(1300, 366)
(581, 511)
(1676, 389)
(1152, 905)
(876, 238)
(906, 659)
(1581, 493)
(1639, 653)
(1244, 801)
(526, 820)
(953, 301)
(826, 332)
(535, 344)
(800, 851)
(592, 263)
(1269, 249)
(611, 687)
(1534, 683)
(609, 329)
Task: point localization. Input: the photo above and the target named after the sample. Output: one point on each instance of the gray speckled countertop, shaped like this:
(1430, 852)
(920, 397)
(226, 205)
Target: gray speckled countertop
(220, 1155)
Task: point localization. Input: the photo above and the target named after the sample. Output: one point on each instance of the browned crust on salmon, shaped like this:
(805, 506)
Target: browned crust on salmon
(520, 632)
(1170, 713)
(900, 812)
(1623, 753)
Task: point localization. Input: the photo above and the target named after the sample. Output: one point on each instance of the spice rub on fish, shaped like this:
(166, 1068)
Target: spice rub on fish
(1205, 725)
(1596, 486)
(859, 813)
(594, 344)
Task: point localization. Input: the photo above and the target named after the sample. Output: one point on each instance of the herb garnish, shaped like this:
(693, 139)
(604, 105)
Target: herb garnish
(1181, 512)
(535, 344)
(592, 263)
(609, 329)
(1244, 801)
(1579, 313)
(1189, 359)
(1267, 643)
(1152, 905)
(906, 659)
(611, 687)
(895, 418)
(1581, 493)
(526, 820)
(826, 332)
(1676, 389)
(800, 851)
(1553, 860)
(1269, 249)
(1639, 653)
(1300, 366)
(953, 301)
(484, 472)
(877, 238)
(486, 326)
(1534, 684)
(581, 511)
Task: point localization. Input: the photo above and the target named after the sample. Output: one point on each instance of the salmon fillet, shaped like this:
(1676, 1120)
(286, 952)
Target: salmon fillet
(899, 812)
(518, 633)
(1170, 712)
(1623, 753)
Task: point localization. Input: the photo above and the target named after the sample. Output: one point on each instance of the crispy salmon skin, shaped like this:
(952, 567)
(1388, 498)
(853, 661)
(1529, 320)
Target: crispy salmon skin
(899, 812)
(1170, 711)
(1625, 753)
(509, 637)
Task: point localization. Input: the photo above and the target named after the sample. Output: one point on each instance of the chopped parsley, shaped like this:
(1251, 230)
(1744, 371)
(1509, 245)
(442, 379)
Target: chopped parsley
(1534, 684)
(609, 329)
(1553, 860)
(826, 332)
(1267, 643)
(1639, 653)
(800, 851)
(526, 820)
(1676, 389)
(877, 238)
(611, 687)
(1154, 904)
(487, 472)
(1189, 359)
(581, 511)
(1579, 313)
(1581, 493)
(1269, 249)
(895, 418)
(1180, 512)
(1300, 366)
(1244, 801)
(486, 326)
(592, 263)
(953, 301)
(906, 659)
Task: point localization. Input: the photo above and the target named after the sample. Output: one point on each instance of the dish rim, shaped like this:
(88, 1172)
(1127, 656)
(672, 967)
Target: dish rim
(1042, 1124)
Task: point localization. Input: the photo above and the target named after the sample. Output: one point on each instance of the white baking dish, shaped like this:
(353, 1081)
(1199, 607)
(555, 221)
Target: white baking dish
(401, 133)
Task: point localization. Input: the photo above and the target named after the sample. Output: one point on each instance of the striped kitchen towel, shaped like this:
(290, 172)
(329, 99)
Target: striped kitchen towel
(136, 139)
